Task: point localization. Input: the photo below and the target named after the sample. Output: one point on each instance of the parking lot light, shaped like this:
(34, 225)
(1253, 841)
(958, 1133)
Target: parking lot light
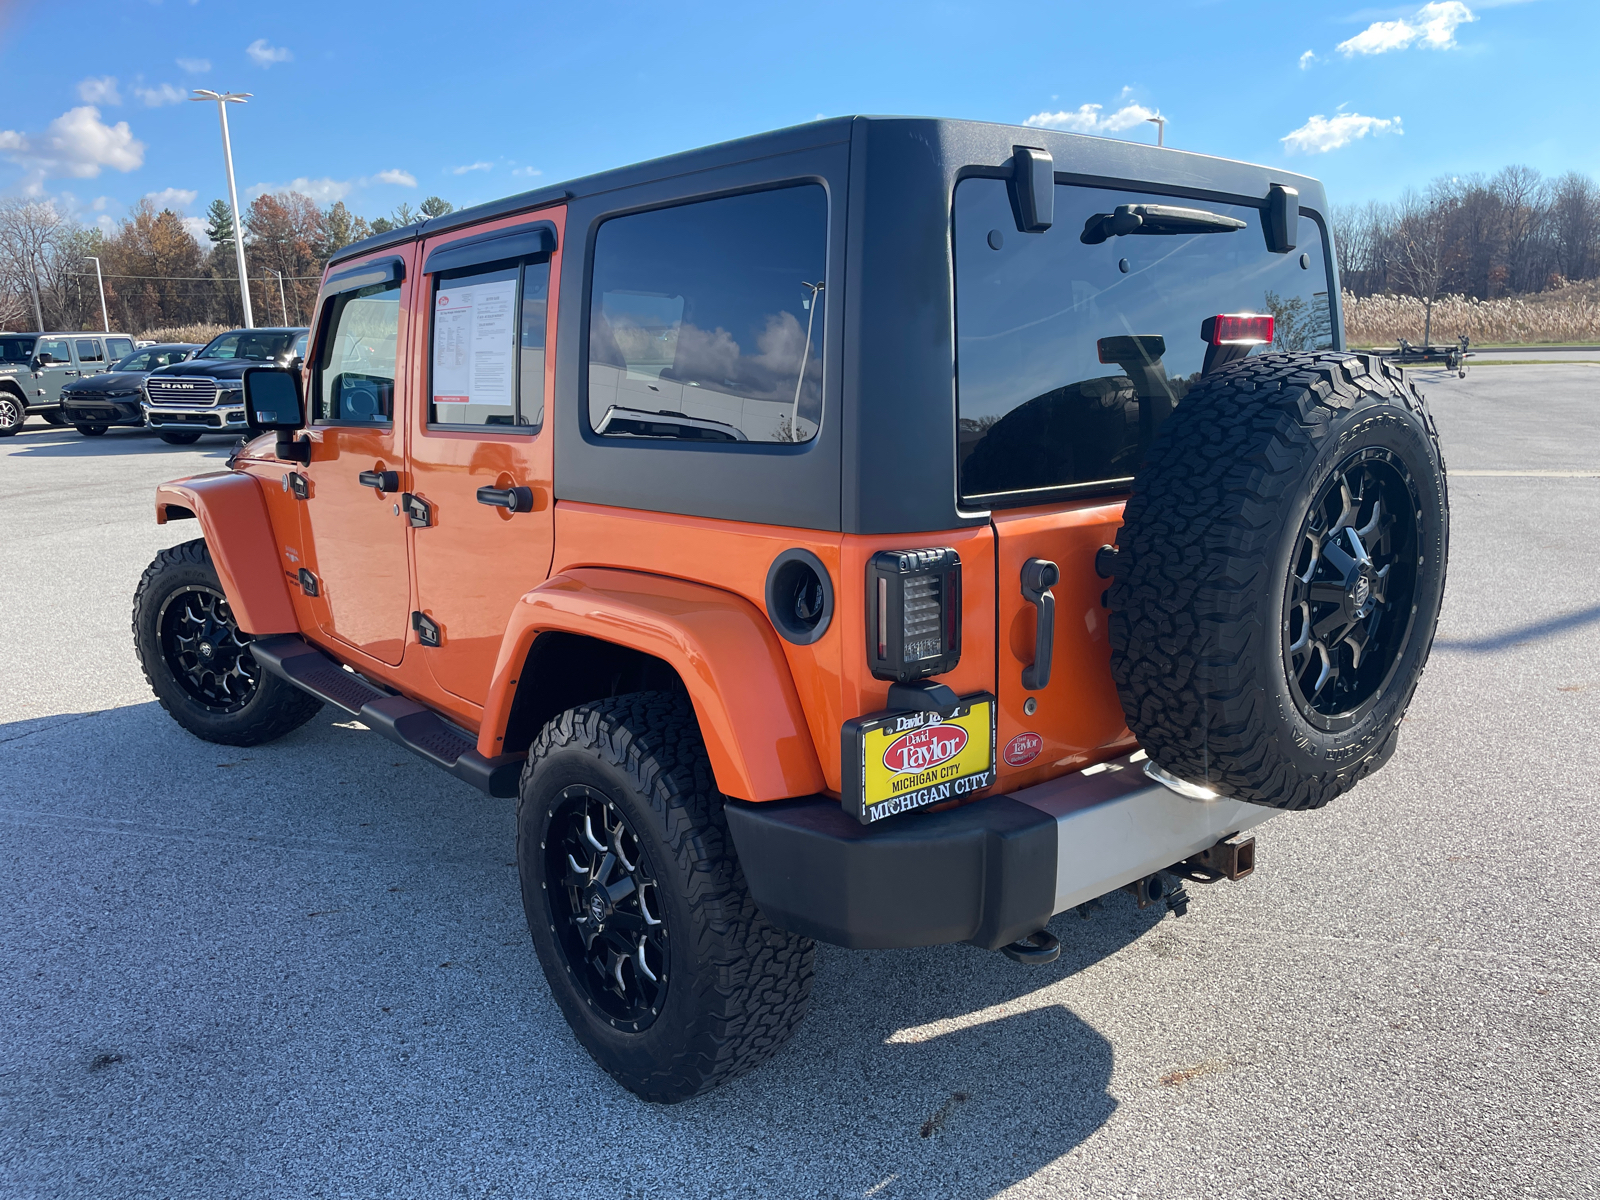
(224, 99)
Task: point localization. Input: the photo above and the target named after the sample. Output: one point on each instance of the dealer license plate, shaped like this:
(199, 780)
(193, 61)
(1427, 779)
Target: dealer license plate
(898, 761)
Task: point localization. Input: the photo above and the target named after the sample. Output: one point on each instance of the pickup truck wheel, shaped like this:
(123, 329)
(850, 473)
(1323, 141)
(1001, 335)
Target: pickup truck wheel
(92, 430)
(197, 659)
(1278, 577)
(174, 437)
(13, 412)
(662, 964)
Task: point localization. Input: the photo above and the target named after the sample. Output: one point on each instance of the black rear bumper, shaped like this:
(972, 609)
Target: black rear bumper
(984, 873)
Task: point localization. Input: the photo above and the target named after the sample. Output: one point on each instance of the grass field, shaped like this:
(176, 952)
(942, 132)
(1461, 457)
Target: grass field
(1561, 317)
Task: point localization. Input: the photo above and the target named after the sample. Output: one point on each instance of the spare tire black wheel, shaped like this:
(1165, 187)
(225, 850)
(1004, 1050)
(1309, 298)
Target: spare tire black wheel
(1278, 576)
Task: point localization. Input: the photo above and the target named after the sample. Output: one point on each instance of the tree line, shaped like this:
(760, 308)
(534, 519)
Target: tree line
(156, 273)
(1513, 234)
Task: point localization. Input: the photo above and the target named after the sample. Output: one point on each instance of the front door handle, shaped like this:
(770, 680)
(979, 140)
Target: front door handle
(384, 481)
(513, 499)
(1039, 575)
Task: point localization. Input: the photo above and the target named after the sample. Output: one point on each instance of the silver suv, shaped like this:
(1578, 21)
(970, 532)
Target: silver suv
(186, 399)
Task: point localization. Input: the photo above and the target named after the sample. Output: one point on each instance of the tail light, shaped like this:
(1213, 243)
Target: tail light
(1237, 329)
(1231, 336)
(913, 613)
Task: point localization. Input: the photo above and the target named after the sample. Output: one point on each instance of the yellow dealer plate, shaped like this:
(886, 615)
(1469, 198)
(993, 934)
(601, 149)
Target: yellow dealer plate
(898, 761)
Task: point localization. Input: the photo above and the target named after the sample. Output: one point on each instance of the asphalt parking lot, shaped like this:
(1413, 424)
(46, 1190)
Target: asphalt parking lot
(302, 969)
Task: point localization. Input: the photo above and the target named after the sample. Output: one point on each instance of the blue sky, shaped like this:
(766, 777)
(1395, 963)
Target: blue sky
(378, 104)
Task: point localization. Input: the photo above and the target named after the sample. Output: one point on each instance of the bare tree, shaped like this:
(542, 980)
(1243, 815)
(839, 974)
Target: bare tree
(29, 233)
(1424, 258)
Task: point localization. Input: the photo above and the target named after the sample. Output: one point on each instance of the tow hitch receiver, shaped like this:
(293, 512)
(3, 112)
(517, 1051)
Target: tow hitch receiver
(1231, 858)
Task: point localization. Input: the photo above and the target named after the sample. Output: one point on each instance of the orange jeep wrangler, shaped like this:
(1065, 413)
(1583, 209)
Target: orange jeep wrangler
(890, 532)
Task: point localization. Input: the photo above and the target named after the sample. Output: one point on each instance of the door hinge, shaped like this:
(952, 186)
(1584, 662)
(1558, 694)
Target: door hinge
(308, 582)
(418, 511)
(427, 629)
(298, 485)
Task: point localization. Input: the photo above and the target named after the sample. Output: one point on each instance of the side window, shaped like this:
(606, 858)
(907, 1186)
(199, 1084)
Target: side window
(355, 369)
(89, 351)
(57, 349)
(141, 362)
(119, 347)
(488, 346)
(706, 320)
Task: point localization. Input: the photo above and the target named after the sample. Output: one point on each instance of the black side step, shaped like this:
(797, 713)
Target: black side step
(418, 729)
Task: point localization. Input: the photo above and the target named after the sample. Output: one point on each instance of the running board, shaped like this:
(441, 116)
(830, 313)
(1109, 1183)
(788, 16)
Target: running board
(417, 728)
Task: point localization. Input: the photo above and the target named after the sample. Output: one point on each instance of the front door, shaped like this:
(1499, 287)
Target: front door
(480, 452)
(50, 377)
(353, 524)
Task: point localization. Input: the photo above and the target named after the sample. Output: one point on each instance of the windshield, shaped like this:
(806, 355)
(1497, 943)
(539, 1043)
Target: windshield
(253, 344)
(149, 360)
(17, 350)
(1074, 344)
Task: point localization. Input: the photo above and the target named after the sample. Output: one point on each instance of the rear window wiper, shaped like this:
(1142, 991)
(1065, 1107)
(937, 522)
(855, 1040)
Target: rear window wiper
(1154, 218)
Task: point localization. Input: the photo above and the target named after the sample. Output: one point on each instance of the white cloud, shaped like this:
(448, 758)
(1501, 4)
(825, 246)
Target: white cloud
(477, 166)
(264, 54)
(195, 66)
(1433, 25)
(101, 90)
(397, 177)
(100, 203)
(1306, 59)
(197, 230)
(165, 93)
(176, 199)
(1320, 134)
(76, 145)
(1088, 118)
(526, 172)
(106, 224)
(323, 191)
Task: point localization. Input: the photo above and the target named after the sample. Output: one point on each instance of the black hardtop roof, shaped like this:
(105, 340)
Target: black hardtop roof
(1165, 168)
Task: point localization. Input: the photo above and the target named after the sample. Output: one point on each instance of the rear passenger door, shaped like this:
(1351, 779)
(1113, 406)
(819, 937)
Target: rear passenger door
(91, 355)
(353, 533)
(480, 454)
(50, 378)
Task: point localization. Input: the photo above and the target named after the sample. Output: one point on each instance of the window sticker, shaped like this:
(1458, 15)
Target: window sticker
(473, 348)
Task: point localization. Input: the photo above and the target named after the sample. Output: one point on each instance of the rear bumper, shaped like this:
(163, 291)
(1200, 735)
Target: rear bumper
(988, 873)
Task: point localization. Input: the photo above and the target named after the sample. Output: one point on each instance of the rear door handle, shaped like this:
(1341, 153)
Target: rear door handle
(1039, 575)
(513, 499)
(384, 481)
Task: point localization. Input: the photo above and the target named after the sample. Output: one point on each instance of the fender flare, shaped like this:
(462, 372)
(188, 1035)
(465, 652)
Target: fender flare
(238, 533)
(722, 647)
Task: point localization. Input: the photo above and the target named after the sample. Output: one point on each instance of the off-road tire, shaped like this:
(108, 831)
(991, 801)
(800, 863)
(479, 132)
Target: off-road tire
(91, 430)
(13, 413)
(273, 709)
(1201, 597)
(179, 438)
(737, 986)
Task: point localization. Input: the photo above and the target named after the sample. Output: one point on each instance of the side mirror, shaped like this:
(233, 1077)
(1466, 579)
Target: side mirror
(272, 405)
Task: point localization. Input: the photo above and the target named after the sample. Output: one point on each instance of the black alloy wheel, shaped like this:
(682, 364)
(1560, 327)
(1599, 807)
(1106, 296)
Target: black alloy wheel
(206, 651)
(1351, 588)
(606, 909)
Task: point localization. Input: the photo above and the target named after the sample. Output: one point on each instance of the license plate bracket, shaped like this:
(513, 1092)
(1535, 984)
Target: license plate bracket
(898, 760)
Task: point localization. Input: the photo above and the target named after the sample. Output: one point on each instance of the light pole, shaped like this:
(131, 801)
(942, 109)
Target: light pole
(282, 304)
(224, 99)
(1160, 123)
(105, 321)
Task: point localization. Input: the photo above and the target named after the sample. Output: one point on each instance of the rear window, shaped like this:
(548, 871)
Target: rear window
(1069, 355)
(119, 347)
(706, 320)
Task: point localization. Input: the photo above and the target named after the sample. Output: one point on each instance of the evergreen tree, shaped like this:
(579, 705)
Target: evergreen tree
(219, 222)
(433, 206)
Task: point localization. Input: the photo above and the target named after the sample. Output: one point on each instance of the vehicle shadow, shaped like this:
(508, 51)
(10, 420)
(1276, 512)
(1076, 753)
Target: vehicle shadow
(346, 919)
(63, 441)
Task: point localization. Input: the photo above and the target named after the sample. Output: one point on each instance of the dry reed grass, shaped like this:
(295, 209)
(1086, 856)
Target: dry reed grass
(1569, 314)
(184, 333)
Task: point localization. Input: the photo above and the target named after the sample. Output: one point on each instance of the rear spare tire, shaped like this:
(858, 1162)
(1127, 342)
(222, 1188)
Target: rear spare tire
(1278, 576)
